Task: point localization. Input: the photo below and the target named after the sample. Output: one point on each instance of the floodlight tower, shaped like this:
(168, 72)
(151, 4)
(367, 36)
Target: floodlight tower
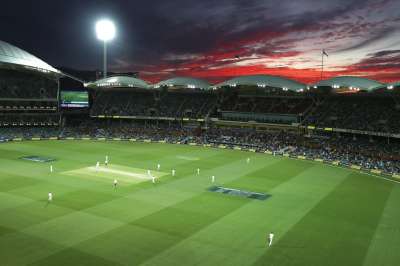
(105, 31)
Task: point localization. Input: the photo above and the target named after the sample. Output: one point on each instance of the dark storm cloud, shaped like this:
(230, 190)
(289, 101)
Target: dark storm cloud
(377, 36)
(389, 59)
(186, 27)
(385, 53)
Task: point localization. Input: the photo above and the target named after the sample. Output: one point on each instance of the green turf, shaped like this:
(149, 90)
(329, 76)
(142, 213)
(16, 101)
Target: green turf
(321, 215)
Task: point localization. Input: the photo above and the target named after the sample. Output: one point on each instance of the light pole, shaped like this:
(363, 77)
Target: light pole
(105, 31)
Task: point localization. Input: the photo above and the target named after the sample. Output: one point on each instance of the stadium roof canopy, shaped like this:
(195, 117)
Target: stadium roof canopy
(118, 82)
(12, 56)
(394, 84)
(184, 82)
(350, 83)
(263, 81)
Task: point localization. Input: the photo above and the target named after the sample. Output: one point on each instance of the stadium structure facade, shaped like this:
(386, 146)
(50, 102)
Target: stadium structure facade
(29, 89)
(264, 81)
(184, 83)
(349, 84)
(14, 58)
(118, 82)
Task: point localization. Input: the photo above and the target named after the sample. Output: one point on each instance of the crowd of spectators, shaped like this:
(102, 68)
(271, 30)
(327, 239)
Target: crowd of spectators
(358, 112)
(153, 103)
(26, 85)
(381, 114)
(275, 105)
(368, 153)
(123, 103)
(9, 133)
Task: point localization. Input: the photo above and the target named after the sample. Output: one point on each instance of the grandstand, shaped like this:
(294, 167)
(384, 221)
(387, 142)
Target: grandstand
(28, 89)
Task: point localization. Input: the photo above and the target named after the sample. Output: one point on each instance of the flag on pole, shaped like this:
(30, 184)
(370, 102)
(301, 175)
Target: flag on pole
(324, 53)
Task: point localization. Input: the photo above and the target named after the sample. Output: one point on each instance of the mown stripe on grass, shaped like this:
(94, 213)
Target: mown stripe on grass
(265, 179)
(239, 237)
(171, 156)
(386, 241)
(70, 256)
(128, 244)
(9, 201)
(12, 181)
(21, 249)
(338, 230)
(73, 228)
(5, 230)
(31, 214)
(166, 227)
(185, 218)
(84, 198)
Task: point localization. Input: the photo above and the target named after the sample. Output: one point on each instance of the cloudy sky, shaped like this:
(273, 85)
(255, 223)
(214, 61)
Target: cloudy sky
(214, 39)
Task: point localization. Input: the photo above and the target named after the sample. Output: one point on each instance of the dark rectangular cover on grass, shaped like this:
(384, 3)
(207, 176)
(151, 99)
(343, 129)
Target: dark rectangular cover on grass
(239, 192)
(39, 159)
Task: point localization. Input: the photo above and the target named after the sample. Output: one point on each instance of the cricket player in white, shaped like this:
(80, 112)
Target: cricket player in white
(198, 171)
(51, 169)
(158, 167)
(270, 238)
(115, 183)
(153, 179)
(248, 160)
(212, 179)
(106, 161)
(97, 166)
(50, 197)
(173, 172)
(149, 173)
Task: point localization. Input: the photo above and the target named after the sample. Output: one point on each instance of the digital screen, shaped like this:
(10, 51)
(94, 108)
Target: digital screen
(78, 99)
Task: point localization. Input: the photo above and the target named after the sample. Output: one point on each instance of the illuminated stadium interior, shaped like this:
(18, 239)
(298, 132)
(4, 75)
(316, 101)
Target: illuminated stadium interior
(224, 156)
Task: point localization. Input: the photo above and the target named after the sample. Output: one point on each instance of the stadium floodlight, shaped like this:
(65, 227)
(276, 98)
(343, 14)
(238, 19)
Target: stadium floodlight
(105, 31)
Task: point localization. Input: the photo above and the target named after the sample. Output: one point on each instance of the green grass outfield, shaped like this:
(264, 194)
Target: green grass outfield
(320, 214)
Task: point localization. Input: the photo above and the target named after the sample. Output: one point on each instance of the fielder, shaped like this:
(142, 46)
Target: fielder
(51, 169)
(158, 167)
(173, 172)
(248, 160)
(50, 197)
(198, 171)
(115, 183)
(106, 160)
(149, 173)
(270, 238)
(153, 179)
(97, 166)
(212, 179)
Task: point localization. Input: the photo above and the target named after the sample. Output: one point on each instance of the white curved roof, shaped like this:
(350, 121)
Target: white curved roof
(11, 54)
(187, 82)
(350, 81)
(119, 82)
(264, 81)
